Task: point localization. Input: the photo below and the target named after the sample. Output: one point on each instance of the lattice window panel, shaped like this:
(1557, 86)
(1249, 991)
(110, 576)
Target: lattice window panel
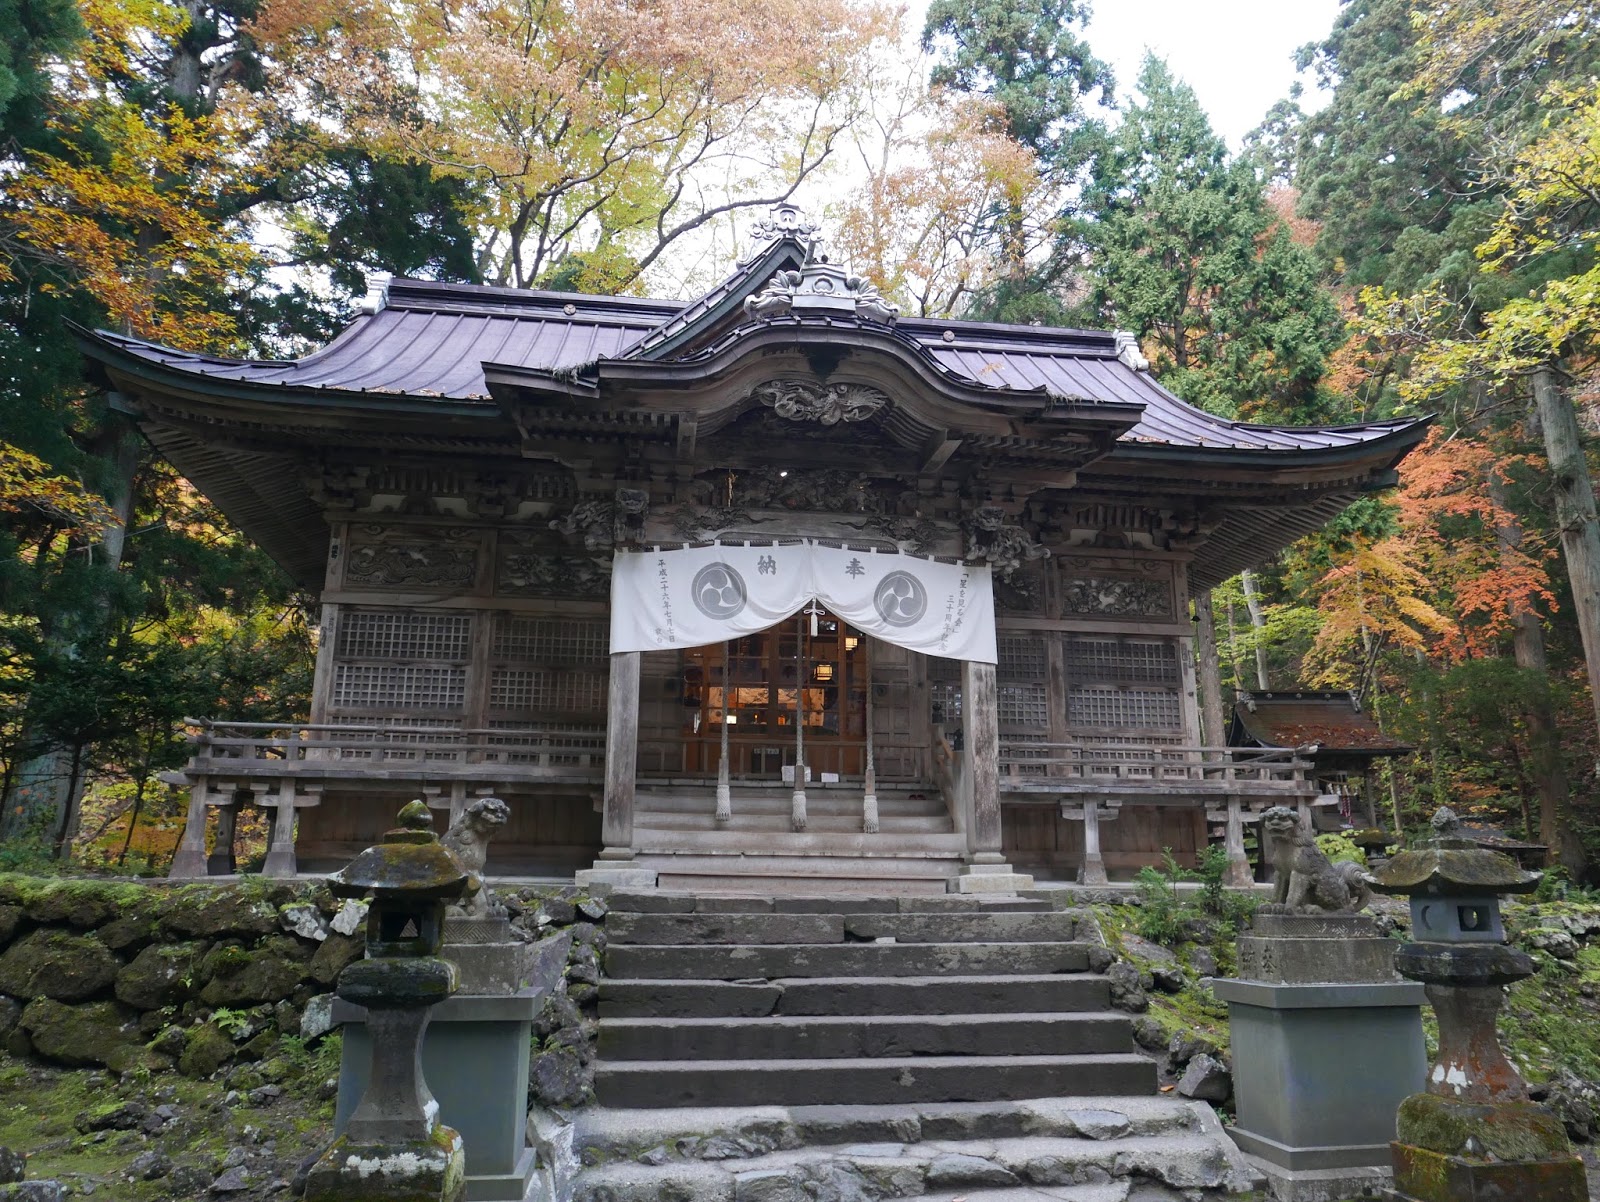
(944, 700)
(361, 687)
(1023, 705)
(397, 635)
(1122, 661)
(554, 641)
(941, 669)
(1123, 709)
(541, 691)
(1022, 657)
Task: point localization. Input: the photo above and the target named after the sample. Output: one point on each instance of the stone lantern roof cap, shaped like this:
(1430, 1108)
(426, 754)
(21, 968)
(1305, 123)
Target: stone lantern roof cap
(410, 862)
(1460, 869)
(1451, 863)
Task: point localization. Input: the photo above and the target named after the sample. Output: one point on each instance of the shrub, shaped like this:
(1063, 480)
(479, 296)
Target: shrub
(1161, 912)
(1340, 849)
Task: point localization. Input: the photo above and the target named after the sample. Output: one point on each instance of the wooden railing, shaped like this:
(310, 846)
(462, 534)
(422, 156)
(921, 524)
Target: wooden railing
(270, 748)
(1080, 767)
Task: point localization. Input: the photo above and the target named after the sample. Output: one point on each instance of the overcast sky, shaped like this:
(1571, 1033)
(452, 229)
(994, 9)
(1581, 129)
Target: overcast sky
(1238, 55)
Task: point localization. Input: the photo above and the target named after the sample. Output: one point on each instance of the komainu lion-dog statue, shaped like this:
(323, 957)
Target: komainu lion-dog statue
(1307, 883)
(468, 840)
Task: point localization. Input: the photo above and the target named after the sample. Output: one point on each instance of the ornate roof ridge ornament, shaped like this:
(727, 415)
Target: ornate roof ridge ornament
(819, 286)
(1128, 351)
(377, 292)
(829, 404)
(786, 220)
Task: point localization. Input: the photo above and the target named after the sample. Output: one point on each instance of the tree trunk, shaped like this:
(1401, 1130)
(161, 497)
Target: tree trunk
(1575, 515)
(47, 785)
(1211, 719)
(1252, 601)
(1549, 772)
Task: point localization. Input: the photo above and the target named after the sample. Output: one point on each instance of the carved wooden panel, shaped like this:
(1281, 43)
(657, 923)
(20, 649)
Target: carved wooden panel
(381, 557)
(1104, 587)
(521, 571)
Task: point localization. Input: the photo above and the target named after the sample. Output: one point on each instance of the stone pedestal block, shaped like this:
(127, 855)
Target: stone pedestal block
(475, 1059)
(490, 962)
(1305, 948)
(1319, 1070)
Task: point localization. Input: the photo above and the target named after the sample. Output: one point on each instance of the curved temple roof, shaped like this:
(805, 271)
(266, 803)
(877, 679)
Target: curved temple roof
(435, 340)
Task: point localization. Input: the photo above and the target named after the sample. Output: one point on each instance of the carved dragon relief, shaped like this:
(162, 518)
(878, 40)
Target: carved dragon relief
(450, 560)
(993, 539)
(826, 404)
(601, 524)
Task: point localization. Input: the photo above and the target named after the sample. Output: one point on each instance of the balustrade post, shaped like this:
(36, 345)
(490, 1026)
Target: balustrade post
(1239, 873)
(797, 812)
(869, 784)
(724, 790)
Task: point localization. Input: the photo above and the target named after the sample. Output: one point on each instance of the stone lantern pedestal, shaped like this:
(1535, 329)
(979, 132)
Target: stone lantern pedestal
(1473, 1135)
(1326, 1041)
(393, 1146)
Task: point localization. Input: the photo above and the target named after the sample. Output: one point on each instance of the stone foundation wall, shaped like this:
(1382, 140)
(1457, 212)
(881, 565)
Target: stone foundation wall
(205, 979)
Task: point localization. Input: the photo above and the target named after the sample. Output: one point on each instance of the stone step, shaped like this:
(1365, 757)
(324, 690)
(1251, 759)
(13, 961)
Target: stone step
(854, 995)
(996, 927)
(661, 901)
(823, 1037)
(808, 882)
(651, 1083)
(715, 962)
(744, 821)
(774, 802)
(608, 1135)
(1171, 1168)
(649, 840)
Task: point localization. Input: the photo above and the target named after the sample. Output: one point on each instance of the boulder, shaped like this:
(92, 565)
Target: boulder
(1168, 978)
(1206, 1079)
(83, 904)
(128, 933)
(95, 1033)
(1149, 1035)
(210, 911)
(13, 1166)
(316, 1020)
(150, 1166)
(113, 1116)
(305, 920)
(268, 975)
(206, 1050)
(558, 1078)
(10, 1012)
(33, 1191)
(163, 974)
(1554, 940)
(57, 965)
(1127, 988)
(10, 920)
(334, 955)
(352, 916)
(1202, 963)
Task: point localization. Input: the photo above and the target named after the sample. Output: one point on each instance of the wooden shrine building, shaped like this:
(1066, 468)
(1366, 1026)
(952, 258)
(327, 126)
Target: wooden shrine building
(456, 475)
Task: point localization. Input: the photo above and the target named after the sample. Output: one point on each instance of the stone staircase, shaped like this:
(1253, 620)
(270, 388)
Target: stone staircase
(799, 1049)
(915, 851)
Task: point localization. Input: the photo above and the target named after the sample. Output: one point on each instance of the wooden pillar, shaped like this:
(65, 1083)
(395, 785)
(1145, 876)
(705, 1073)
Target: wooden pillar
(221, 861)
(622, 756)
(1214, 732)
(1093, 871)
(189, 861)
(1239, 873)
(980, 725)
(280, 849)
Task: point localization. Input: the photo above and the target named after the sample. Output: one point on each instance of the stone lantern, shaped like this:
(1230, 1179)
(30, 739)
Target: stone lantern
(394, 1145)
(1473, 1134)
